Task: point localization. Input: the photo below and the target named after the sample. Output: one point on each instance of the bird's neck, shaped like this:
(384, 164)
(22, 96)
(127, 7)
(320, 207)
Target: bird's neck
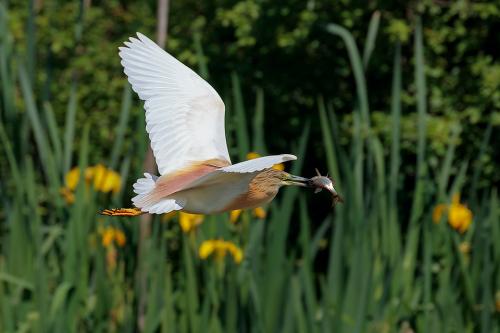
(261, 190)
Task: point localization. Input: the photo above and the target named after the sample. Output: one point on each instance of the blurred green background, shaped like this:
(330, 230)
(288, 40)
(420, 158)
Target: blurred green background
(399, 101)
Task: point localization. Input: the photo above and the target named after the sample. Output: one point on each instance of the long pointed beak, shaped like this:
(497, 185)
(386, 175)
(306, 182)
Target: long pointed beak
(297, 180)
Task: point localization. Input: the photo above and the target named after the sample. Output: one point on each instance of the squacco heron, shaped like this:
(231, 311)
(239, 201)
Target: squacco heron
(185, 123)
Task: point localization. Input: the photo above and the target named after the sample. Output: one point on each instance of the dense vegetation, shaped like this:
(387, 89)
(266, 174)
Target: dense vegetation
(285, 51)
(401, 102)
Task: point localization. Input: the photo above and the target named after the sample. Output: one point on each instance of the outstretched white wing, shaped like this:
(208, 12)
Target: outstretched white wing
(184, 114)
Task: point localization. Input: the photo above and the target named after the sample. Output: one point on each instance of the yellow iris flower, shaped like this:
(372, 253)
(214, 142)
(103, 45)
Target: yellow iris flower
(110, 235)
(459, 215)
(258, 212)
(219, 249)
(252, 155)
(103, 179)
(234, 215)
(72, 178)
(189, 222)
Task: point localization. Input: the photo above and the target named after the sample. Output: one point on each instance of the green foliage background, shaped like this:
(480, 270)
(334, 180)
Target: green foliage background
(285, 50)
(399, 101)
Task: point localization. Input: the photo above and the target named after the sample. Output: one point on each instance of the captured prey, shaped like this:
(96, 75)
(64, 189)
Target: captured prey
(324, 182)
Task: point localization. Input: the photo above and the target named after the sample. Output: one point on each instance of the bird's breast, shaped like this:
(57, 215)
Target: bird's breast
(254, 197)
(240, 191)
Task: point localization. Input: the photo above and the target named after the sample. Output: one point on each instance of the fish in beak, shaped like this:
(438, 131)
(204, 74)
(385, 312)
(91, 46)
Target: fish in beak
(318, 182)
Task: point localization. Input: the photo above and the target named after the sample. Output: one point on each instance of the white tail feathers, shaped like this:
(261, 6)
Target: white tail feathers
(165, 206)
(145, 185)
(146, 201)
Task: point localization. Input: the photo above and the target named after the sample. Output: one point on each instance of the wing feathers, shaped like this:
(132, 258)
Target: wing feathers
(184, 114)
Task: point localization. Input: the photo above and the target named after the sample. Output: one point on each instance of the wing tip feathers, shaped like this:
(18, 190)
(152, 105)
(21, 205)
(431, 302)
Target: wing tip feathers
(141, 41)
(142, 37)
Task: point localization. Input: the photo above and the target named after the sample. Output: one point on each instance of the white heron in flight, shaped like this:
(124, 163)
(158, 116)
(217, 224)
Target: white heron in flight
(185, 123)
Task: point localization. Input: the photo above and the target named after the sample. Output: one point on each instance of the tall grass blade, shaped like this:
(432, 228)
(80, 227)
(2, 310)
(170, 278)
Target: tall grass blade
(54, 136)
(14, 167)
(297, 306)
(421, 122)
(31, 41)
(357, 68)
(371, 38)
(395, 129)
(478, 167)
(331, 156)
(447, 164)
(46, 156)
(6, 80)
(69, 128)
(418, 198)
(395, 157)
(240, 118)
(192, 290)
(258, 124)
(122, 126)
(200, 56)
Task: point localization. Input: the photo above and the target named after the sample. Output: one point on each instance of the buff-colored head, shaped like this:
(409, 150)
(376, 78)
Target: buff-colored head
(271, 180)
